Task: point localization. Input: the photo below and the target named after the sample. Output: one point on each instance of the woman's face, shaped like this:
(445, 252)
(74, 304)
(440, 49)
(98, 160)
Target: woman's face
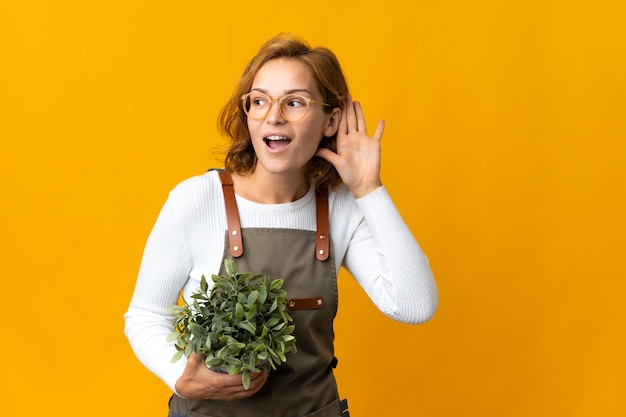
(284, 147)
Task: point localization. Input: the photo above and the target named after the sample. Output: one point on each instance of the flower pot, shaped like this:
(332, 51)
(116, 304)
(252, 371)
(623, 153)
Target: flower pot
(220, 369)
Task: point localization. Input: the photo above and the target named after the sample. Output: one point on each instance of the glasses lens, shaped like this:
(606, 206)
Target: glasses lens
(256, 105)
(294, 107)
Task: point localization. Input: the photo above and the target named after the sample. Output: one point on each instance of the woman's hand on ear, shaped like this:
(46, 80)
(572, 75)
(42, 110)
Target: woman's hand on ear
(357, 159)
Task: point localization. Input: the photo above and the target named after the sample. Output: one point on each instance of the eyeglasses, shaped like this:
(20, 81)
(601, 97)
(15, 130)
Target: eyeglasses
(293, 107)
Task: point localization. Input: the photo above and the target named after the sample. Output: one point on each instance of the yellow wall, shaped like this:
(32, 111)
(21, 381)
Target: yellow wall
(505, 150)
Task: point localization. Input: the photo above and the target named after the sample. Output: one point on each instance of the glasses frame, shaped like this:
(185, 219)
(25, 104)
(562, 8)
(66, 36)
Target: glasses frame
(279, 100)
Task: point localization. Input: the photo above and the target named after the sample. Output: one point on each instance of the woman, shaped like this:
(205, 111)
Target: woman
(298, 141)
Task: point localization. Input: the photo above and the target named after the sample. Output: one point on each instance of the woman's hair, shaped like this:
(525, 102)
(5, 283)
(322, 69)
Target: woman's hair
(326, 71)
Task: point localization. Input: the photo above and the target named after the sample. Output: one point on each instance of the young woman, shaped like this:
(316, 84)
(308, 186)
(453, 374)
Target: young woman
(306, 179)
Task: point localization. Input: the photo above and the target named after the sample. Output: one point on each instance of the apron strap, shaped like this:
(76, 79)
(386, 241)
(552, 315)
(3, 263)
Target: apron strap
(322, 241)
(232, 214)
(323, 229)
(343, 407)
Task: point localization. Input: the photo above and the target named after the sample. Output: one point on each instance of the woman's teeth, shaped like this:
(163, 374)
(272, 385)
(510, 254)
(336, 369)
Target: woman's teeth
(275, 140)
(275, 137)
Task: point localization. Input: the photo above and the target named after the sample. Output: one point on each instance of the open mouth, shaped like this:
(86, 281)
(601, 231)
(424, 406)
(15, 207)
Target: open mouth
(276, 142)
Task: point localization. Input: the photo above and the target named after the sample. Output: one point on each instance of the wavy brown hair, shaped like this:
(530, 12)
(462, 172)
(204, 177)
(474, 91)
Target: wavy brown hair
(232, 121)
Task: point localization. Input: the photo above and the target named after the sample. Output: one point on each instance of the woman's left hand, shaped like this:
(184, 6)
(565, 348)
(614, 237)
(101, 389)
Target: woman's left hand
(358, 155)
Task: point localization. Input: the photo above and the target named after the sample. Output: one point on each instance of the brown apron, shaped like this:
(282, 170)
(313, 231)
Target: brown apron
(304, 385)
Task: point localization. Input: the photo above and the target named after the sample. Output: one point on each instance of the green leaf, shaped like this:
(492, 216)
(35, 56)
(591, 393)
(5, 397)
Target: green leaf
(253, 297)
(238, 346)
(188, 349)
(197, 330)
(222, 353)
(273, 321)
(247, 325)
(272, 353)
(229, 266)
(262, 293)
(245, 379)
(276, 284)
(251, 314)
(239, 311)
(177, 356)
(176, 309)
(286, 316)
(214, 362)
(287, 330)
(173, 336)
(233, 367)
(279, 326)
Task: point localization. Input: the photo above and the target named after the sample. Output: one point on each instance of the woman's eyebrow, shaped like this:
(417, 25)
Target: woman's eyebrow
(290, 91)
(298, 90)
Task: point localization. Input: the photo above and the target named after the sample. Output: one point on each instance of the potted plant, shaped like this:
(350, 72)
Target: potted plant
(239, 325)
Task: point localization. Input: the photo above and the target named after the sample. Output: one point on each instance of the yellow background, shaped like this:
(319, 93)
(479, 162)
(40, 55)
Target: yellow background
(504, 150)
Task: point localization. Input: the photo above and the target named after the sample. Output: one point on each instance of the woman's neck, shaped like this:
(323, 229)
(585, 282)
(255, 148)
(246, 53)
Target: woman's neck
(269, 188)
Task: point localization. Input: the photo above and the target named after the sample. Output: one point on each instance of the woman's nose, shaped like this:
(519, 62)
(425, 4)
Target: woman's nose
(274, 115)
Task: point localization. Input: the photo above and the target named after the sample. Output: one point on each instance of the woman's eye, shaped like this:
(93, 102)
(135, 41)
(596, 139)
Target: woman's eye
(257, 101)
(296, 102)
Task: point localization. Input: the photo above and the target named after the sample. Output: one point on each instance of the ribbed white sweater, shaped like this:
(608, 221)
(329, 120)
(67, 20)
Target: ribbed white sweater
(368, 237)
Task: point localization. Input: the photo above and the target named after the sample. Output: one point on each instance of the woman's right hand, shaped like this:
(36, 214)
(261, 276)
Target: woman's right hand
(200, 383)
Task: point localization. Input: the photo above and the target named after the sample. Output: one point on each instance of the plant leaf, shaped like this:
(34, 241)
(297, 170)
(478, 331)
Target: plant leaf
(276, 284)
(176, 309)
(253, 297)
(274, 306)
(197, 330)
(251, 314)
(262, 293)
(279, 326)
(264, 331)
(245, 379)
(239, 311)
(177, 356)
(229, 266)
(214, 362)
(247, 325)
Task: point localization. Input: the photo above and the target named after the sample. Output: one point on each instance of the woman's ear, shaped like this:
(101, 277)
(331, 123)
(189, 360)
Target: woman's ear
(333, 122)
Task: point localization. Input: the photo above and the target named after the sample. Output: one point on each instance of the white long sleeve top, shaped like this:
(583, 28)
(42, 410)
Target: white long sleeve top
(368, 237)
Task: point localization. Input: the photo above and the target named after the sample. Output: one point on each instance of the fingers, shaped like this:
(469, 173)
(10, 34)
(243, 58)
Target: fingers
(360, 119)
(328, 155)
(343, 123)
(380, 128)
(350, 119)
(237, 391)
(353, 119)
